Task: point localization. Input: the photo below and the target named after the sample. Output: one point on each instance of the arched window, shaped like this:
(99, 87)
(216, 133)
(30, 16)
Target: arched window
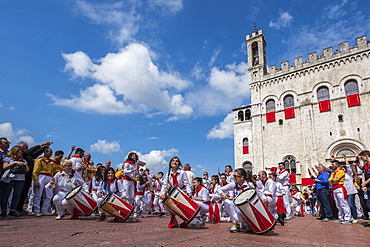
(290, 165)
(270, 105)
(340, 118)
(245, 146)
(352, 93)
(350, 87)
(323, 97)
(241, 116)
(270, 110)
(248, 114)
(248, 166)
(289, 106)
(255, 53)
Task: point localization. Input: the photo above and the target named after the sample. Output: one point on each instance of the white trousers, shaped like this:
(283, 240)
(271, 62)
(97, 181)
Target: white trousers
(286, 198)
(130, 190)
(344, 211)
(45, 193)
(141, 203)
(158, 204)
(233, 211)
(61, 204)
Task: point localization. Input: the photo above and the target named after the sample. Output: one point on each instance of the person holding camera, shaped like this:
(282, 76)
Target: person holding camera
(17, 166)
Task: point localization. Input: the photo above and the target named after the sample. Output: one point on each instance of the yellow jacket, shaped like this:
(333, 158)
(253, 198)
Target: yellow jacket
(119, 174)
(338, 174)
(42, 166)
(57, 166)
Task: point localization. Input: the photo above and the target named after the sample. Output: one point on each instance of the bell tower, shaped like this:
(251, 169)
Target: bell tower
(256, 50)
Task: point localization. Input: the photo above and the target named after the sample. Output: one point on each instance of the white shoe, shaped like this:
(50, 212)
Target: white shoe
(38, 214)
(135, 215)
(143, 216)
(197, 223)
(354, 221)
(59, 217)
(346, 222)
(46, 213)
(92, 215)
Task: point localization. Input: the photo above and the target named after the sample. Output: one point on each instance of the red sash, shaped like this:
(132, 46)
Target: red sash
(337, 186)
(214, 213)
(127, 178)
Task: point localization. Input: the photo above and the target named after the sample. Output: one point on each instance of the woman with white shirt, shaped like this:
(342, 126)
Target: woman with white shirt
(65, 180)
(130, 170)
(201, 197)
(234, 189)
(351, 189)
(110, 184)
(175, 177)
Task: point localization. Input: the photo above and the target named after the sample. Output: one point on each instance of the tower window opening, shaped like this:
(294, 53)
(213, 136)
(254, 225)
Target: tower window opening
(255, 53)
(340, 118)
(241, 116)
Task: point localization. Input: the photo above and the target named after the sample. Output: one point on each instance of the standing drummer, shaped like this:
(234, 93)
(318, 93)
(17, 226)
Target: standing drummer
(65, 180)
(229, 192)
(175, 177)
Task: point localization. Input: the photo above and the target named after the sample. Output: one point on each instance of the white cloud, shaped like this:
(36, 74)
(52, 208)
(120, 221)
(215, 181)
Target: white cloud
(15, 136)
(214, 56)
(283, 21)
(105, 147)
(336, 11)
(156, 159)
(129, 74)
(152, 138)
(121, 18)
(336, 30)
(167, 6)
(224, 129)
(226, 89)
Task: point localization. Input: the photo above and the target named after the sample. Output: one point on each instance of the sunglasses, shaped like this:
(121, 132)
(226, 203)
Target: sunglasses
(235, 176)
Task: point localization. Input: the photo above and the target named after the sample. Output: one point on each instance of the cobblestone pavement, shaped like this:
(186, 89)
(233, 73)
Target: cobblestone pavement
(153, 231)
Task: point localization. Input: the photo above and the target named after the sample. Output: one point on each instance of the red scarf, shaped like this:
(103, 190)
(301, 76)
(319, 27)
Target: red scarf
(195, 193)
(237, 187)
(109, 182)
(186, 169)
(174, 179)
(76, 156)
(129, 161)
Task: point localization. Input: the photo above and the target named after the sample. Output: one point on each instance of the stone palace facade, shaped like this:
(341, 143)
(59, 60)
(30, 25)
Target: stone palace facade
(305, 113)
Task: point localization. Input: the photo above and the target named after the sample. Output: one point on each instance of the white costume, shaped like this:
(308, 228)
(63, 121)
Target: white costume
(269, 193)
(158, 204)
(141, 200)
(65, 183)
(233, 211)
(76, 162)
(115, 186)
(203, 193)
(283, 177)
(128, 180)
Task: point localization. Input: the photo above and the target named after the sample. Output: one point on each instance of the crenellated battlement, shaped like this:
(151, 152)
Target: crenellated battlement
(314, 59)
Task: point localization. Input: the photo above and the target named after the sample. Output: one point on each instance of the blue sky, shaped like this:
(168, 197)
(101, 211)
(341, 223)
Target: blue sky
(158, 77)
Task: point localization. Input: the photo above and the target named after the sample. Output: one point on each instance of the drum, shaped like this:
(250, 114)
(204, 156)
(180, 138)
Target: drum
(82, 201)
(117, 207)
(181, 205)
(254, 211)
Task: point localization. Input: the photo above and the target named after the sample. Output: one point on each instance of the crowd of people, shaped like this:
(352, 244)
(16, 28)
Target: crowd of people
(43, 180)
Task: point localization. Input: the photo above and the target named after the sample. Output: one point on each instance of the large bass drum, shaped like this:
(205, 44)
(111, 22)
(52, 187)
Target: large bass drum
(254, 211)
(82, 201)
(181, 205)
(117, 207)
